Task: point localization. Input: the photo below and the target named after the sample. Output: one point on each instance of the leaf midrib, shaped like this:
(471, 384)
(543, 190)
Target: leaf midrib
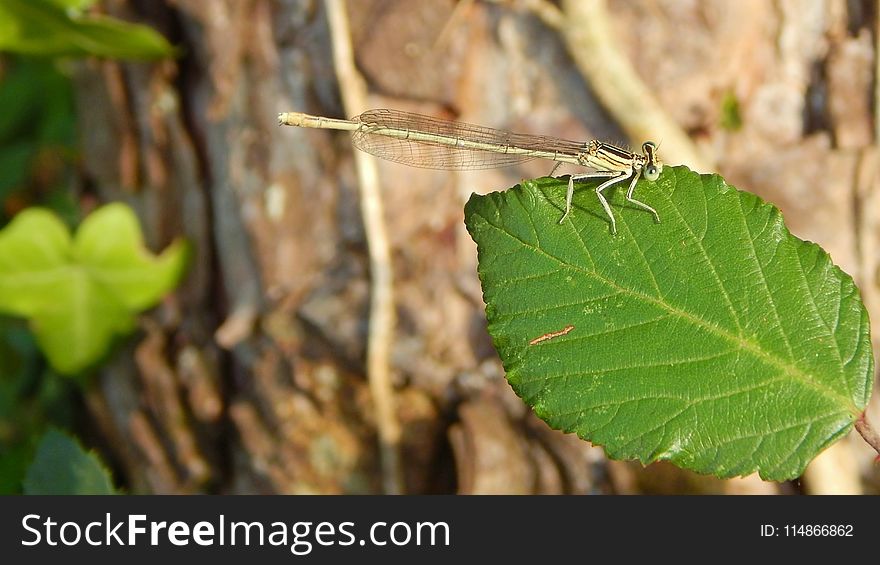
(743, 343)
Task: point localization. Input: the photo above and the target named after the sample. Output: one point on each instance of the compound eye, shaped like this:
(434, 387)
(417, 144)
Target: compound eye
(652, 172)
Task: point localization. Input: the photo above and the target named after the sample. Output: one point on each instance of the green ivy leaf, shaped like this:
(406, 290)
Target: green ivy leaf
(79, 293)
(715, 339)
(56, 29)
(62, 466)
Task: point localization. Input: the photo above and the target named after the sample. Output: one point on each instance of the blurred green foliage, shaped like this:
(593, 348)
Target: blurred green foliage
(75, 5)
(57, 28)
(81, 292)
(62, 466)
(731, 118)
(37, 150)
(38, 154)
(32, 397)
(37, 136)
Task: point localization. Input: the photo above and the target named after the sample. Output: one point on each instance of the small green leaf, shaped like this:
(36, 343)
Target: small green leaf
(33, 247)
(62, 466)
(75, 5)
(80, 293)
(121, 263)
(41, 27)
(715, 339)
(731, 118)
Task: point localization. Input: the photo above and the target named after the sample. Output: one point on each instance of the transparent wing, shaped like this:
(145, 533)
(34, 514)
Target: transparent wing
(384, 133)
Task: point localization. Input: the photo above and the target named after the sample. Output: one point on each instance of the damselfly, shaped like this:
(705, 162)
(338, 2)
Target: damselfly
(432, 143)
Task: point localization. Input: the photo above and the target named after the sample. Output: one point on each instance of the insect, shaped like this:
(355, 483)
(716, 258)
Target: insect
(432, 143)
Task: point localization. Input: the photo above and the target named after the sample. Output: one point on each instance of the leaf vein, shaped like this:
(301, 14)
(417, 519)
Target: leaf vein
(818, 315)
(713, 269)
(745, 344)
(542, 309)
(775, 308)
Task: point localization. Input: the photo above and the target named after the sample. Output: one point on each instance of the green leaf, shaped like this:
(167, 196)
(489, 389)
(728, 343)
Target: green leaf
(41, 27)
(75, 5)
(715, 339)
(79, 293)
(62, 466)
(121, 263)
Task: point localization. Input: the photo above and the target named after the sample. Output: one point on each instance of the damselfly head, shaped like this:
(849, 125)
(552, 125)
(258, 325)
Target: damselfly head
(653, 167)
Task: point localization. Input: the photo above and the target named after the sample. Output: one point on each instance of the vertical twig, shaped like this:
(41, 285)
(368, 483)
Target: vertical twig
(379, 339)
(587, 30)
(869, 434)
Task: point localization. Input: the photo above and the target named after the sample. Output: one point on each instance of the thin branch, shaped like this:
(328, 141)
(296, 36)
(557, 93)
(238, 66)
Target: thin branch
(587, 30)
(354, 95)
(546, 12)
(458, 13)
(869, 433)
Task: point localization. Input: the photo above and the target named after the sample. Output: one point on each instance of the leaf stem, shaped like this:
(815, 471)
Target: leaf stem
(354, 95)
(868, 433)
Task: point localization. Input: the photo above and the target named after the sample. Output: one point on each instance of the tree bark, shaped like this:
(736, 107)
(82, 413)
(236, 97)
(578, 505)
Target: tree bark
(252, 377)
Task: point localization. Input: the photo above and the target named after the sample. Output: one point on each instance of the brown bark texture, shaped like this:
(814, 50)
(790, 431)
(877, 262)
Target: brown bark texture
(252, 377)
